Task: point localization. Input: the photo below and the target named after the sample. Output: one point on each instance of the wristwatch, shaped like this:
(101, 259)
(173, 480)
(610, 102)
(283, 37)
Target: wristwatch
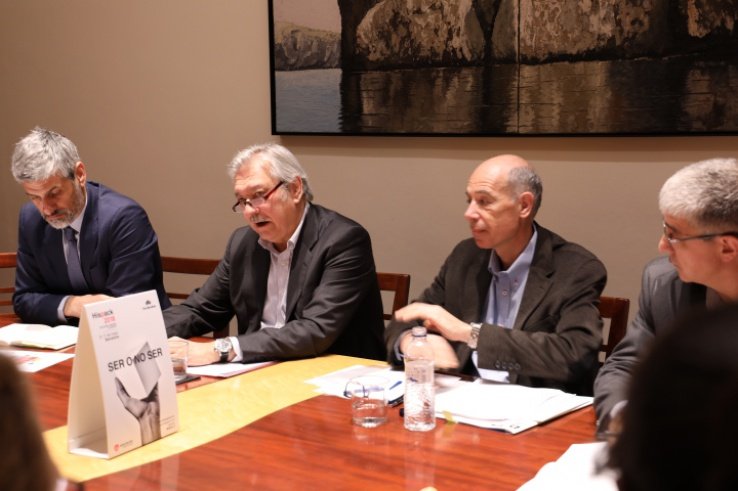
(223, 347)
(474, 336)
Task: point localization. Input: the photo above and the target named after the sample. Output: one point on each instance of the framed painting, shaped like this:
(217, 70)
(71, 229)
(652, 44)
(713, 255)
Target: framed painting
(504, 67)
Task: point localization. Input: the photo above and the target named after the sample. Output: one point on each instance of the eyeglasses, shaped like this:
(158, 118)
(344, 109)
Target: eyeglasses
(669, 235)
(254, 202)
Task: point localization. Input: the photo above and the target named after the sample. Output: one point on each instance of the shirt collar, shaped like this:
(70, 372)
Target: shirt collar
(522, 262)
(293, 239)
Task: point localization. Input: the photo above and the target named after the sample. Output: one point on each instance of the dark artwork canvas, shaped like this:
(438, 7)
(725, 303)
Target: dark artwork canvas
(504, 67)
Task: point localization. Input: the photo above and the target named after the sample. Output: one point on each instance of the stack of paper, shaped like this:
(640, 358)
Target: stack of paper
(510, 408)
(39, 336)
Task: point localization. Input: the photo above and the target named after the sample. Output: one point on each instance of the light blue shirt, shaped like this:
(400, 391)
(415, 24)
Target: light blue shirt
(504, 297)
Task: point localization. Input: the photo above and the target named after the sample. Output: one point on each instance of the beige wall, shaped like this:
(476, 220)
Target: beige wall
(158, 95)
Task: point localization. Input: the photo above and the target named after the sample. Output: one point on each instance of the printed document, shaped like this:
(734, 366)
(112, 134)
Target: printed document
(505, 407)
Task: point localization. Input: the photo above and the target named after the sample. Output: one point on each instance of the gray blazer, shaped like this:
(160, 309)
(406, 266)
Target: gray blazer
(558, 330)
(333, 300)
(663, 298)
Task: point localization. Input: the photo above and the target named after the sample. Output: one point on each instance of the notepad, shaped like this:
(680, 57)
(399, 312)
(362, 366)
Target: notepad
(224, 370)
(39, 336)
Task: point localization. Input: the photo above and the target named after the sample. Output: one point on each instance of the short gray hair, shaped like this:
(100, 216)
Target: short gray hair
(42, 154)
(280, 163)
(705, 194)
(525, 179)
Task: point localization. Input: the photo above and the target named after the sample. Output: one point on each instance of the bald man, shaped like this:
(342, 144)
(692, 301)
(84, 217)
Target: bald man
(515, 303)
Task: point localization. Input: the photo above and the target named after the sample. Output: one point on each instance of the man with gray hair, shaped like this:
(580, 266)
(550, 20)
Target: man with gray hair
(699, 205)
(515, 303)
(78, 241)
(300, 278)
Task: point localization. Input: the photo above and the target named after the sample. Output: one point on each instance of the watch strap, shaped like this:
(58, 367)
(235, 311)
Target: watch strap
(474, 336)
(224, 356)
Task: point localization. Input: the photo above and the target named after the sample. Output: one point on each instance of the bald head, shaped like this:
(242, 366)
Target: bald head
(514, 174)
(502, 163)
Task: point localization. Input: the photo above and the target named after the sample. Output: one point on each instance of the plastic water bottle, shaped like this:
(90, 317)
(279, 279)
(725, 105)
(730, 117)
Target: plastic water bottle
(420, 393)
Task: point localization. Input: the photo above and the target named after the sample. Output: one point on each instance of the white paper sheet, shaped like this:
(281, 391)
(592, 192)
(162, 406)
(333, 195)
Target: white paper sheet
(575, 470)
(224, 370)
(34, 361)
(334, 383)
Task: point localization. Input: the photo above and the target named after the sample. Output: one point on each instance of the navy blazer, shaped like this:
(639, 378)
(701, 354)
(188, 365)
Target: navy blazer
(333, 300)
(119, 255)
(558, 330)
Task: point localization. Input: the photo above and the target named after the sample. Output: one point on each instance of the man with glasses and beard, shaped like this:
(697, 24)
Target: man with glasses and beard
(699, 205)
(300, 278)
(78, 241)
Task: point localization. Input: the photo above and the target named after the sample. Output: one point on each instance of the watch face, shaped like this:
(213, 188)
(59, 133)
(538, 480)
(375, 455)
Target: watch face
(223, 344)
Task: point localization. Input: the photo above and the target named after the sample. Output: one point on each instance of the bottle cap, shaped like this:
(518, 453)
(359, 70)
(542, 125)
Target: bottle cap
(419, 331)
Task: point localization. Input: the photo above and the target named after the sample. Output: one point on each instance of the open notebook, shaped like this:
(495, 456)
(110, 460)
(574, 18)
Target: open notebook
(39, 336)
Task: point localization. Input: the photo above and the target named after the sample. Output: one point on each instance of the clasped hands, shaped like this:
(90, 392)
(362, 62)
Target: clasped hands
(437, 319)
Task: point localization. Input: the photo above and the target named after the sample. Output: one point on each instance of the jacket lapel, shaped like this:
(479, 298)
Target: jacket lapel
(301, 258)
(539, 278)
(256, 277)
(89, 236)
(480, 277)
(53, 243)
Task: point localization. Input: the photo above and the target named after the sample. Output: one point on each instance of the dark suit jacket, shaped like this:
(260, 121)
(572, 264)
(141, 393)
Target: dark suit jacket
(333, 301)
(664, 297)
(119, 255)
(558, 330)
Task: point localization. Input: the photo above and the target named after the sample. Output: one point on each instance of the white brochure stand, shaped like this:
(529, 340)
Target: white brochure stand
(122, 394)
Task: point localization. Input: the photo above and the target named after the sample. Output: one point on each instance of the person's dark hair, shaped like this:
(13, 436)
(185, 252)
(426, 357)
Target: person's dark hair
(680, 426)
(24, 461)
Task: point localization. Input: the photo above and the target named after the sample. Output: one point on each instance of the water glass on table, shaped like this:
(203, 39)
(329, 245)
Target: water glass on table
(178, 350)
(368, 396)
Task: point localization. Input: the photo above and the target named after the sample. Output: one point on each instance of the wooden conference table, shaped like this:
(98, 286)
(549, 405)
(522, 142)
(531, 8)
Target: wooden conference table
(313, 445)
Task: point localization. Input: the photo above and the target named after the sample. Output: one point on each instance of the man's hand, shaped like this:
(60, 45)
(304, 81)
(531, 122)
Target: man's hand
(199, 353)
(437, 319)
(444, 355)
(74, 304)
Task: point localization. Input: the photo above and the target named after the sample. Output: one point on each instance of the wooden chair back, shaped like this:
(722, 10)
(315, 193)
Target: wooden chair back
(186, 265)
(7, 261)
(616, 310)
(189, 266)
(399, 285)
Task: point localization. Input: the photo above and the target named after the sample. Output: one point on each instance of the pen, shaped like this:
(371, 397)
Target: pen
(398, 400)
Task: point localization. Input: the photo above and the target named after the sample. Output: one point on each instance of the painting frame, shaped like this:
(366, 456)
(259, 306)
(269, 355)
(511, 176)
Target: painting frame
(325, 82)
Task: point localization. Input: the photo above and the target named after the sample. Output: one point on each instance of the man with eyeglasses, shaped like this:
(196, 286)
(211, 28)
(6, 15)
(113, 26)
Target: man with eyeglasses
(78, 241)
(699, 205)
(300, 278)
(515, 303)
